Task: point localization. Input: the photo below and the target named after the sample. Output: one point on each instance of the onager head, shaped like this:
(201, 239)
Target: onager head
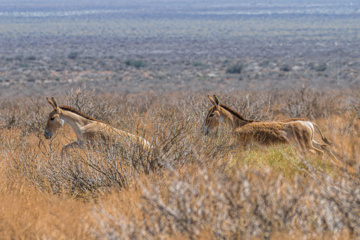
(54, 120)
(213, 118)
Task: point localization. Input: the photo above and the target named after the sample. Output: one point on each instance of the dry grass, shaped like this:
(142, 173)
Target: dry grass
(204, 189)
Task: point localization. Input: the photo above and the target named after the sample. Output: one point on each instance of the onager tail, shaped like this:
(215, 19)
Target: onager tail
(322, 135)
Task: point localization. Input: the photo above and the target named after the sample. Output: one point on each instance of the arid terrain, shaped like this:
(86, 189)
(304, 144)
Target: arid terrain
(146, 68)
(173, 48)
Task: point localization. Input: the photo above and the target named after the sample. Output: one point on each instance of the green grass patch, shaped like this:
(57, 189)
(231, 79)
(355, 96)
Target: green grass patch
(279, 159)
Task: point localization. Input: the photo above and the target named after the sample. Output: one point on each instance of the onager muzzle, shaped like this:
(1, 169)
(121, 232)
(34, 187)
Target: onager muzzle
(48, 134)
(205, 130)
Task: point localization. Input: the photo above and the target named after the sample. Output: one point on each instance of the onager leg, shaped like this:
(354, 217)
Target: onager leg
(313, 149)
(303, 137)
(308, 143)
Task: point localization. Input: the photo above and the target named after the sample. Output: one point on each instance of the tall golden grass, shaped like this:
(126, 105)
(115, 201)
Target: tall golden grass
(203, 189)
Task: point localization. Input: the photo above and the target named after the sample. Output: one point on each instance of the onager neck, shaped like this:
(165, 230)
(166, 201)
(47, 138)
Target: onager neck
(232, 118)
(76, 121)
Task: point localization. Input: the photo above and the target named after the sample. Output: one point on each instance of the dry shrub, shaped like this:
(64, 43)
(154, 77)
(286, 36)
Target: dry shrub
(80, 173)
(200, 187)
(92, 104)
(242, 205)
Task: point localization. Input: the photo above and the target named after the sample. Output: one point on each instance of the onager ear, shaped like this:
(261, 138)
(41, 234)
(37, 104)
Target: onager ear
(212, 100)
(51, 103)
(217, 102)
(56, 106)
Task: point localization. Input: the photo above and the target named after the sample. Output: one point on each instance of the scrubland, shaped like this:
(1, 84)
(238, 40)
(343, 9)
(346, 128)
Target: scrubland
(147, 70)
(202, 190)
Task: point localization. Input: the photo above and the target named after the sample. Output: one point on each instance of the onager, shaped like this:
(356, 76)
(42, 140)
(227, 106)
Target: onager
(248, 131)
(87, 129)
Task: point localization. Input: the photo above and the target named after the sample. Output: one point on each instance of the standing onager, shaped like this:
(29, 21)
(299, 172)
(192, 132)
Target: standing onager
(295, 130)
(87, 129)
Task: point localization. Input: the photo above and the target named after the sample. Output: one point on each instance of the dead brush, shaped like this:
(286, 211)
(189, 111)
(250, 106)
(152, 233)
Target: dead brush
(84, 173)
(356, 106)
(8, 114)
(309, 103)
(92, 104)
(202, 188)
(245, 204)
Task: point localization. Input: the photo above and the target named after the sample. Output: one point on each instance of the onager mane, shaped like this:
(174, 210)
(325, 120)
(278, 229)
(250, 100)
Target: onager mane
(73, 110)
(238, 115)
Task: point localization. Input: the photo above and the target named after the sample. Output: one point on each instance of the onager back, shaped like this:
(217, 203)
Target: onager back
(247, 131)
(87, 129)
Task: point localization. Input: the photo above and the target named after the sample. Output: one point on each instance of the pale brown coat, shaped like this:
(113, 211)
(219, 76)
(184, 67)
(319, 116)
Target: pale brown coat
(87, 129)
(247, 131)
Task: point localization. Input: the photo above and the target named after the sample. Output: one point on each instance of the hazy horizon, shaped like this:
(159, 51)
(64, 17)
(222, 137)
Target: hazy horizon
(21, 8)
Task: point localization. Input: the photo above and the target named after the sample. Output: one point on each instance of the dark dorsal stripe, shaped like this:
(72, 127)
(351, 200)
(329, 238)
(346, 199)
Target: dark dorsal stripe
(238, 115)
(73, 110)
